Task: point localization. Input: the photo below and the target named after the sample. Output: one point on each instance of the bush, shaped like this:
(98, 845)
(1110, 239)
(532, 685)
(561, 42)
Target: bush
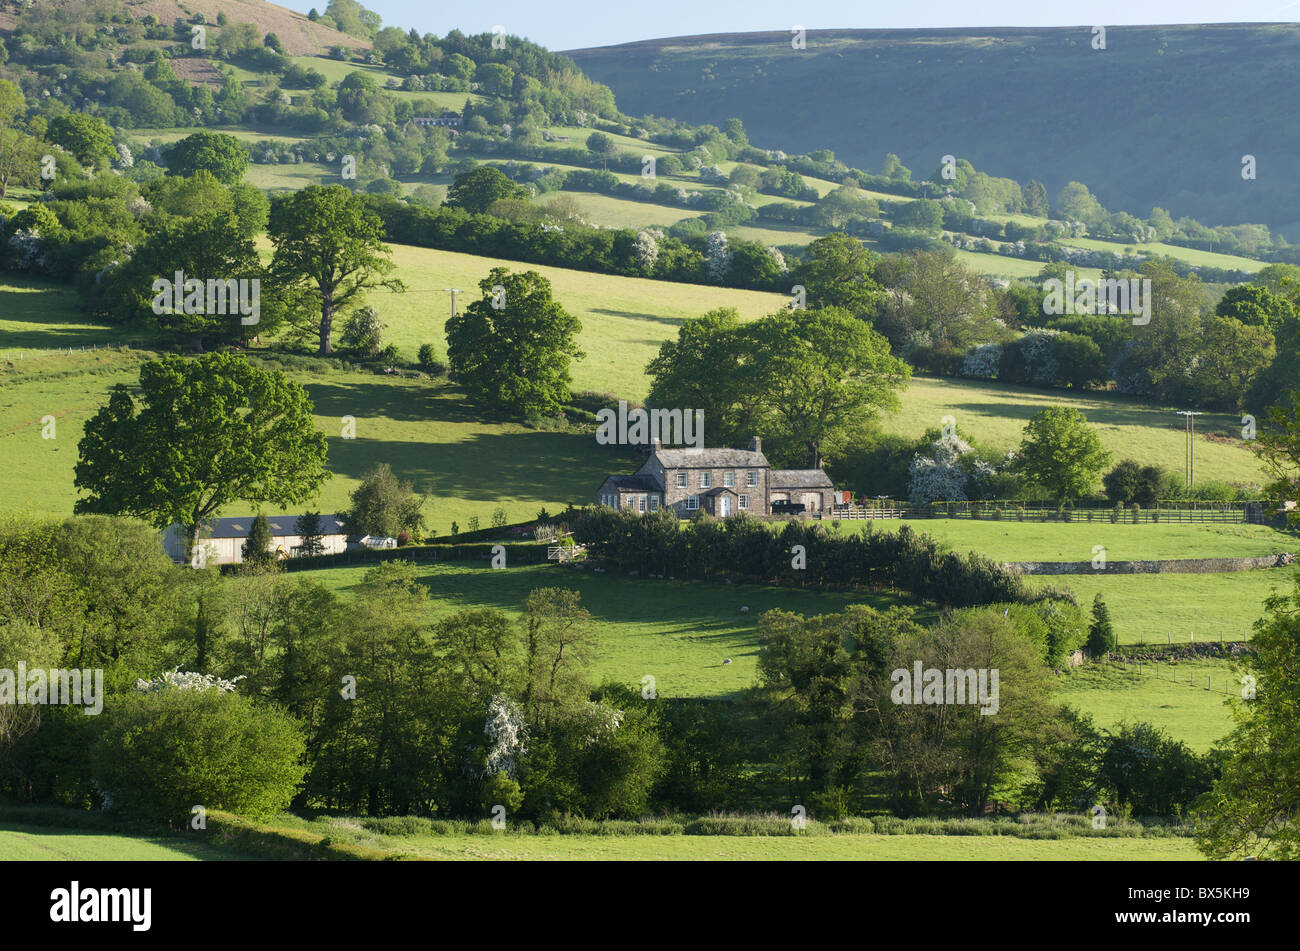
(398, 825)
(1151, 773)
(363, 333)
(833, 804)
(752, 826)
(159, 754)
(1132, 482)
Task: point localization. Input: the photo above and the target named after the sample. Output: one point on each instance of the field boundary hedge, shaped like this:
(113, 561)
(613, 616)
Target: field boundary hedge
(1195, 566)
(281, 844)
(799, 553)
(517, 553)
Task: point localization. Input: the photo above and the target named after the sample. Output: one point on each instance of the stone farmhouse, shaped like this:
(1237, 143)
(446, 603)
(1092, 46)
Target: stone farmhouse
(721, 482)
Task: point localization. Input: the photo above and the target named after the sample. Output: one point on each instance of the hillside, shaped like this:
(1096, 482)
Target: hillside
(1155, 119)
(299, 35)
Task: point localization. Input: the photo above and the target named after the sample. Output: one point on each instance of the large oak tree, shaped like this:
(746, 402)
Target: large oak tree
(329, 245)
(204, 433)
(511, 348)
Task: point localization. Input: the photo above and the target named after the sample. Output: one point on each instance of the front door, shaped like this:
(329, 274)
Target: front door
(726, 506)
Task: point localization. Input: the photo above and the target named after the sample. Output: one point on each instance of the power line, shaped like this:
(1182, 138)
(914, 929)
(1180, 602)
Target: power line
(1189, 459)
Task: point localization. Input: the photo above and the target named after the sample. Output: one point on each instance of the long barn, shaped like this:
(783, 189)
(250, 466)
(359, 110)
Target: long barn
(222, 539)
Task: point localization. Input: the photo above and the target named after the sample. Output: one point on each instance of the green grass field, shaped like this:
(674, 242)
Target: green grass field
(611, 212)
(44, 315)
(578, 138)
(38, 843)
(678, 632)
(1192, 256)
(1001, 265)
(426, 431)
(794, 848)
(624, 319)
(277, 178)
(774, 234)
(996, 414)
(336, 71)
(171, 134)
(433, 437)
(1056, 541)
(1173, 609)
(20, 843)
(1191, 708)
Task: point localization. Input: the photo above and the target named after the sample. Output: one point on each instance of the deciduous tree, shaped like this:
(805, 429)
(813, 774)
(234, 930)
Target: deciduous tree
(328, 243)
(511, 349)
(203, 433)
(1060, 454)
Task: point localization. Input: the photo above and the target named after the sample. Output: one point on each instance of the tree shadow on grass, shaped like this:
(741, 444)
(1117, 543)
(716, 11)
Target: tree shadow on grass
(1096, 415)
(1102, 407)
(55, 311)
(400, 400)
(535, 466)
(706, 609)
(637, 315)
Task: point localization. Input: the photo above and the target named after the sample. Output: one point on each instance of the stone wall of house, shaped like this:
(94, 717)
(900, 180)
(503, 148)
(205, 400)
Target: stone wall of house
(675, 497)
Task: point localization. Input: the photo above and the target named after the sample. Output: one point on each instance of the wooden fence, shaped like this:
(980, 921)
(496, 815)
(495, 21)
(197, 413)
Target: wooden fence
(1254, 512)
(864, 512)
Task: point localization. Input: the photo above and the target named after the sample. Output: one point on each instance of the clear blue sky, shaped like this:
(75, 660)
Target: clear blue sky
(573, 24)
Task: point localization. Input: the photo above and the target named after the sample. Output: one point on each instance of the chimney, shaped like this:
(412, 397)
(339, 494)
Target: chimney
(655, 444)
(755, 444)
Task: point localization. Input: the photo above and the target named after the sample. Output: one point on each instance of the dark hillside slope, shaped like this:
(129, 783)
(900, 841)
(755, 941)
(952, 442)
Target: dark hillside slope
(1161, 117)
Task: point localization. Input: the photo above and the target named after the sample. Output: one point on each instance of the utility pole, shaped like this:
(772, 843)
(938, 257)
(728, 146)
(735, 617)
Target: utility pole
(453, 291)
(1189, 461)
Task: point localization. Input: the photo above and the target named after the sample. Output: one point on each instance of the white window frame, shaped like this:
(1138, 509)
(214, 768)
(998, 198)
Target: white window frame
(692, 503)
(654, 503)
(729, 479)
(681, 480)
(641, 503)
(706, 480)
(751, 479)
(744, 503)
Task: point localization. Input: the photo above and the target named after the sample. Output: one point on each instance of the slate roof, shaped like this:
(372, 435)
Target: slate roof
(281, 525)
(636, 483)
(799, 479)
(711, 459)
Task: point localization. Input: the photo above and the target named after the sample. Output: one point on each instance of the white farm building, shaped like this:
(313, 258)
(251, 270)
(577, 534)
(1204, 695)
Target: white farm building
(222, 539)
